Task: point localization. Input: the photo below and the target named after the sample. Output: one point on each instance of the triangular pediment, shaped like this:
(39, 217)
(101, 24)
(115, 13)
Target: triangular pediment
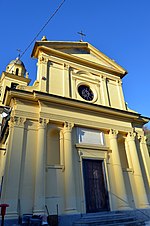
(95, 59)
(83, 51)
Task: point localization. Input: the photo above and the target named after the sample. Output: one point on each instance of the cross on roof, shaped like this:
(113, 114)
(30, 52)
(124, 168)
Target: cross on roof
(82, 35)
(19, 51)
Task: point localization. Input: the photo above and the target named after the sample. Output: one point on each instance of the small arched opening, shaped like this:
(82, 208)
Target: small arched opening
(17, 71)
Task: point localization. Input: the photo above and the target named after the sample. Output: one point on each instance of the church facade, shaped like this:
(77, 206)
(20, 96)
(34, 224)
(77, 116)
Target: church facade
(69, 141)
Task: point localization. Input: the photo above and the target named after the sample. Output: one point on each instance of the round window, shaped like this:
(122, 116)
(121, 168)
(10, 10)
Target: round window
(85, 92)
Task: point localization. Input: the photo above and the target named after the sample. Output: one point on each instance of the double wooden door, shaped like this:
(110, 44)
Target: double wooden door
(95, 186)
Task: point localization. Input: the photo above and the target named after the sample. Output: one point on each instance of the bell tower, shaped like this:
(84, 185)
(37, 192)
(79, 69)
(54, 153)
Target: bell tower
(14, 75)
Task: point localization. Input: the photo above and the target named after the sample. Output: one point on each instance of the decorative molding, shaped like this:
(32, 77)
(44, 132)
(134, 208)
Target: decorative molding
(94, 154)
(92, 147)
(60, 119)
(28, 115)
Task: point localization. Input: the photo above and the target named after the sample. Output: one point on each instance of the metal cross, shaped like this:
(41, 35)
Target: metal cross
(19, 51)
(82, 35)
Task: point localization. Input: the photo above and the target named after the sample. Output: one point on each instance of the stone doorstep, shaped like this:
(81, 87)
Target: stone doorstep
(107, 218)
(101, 215)
(106, 221)
(129, 223)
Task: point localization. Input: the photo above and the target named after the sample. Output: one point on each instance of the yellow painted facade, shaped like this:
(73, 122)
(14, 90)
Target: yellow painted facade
(72, 116)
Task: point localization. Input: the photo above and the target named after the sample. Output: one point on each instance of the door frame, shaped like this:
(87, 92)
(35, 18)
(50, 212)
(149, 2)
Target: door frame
(100, 164)
(93, 153)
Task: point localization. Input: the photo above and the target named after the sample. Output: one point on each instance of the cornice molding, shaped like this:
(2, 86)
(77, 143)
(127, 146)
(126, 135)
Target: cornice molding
(49, 98)
(74, 105)
(58, 45)
(15, 77)
(92, 146)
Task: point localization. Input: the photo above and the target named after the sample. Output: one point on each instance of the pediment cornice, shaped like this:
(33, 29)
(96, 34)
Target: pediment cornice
(55, 49)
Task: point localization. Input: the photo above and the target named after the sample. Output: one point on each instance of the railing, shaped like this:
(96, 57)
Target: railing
(138, 210)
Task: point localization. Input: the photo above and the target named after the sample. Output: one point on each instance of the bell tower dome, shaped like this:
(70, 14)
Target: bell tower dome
(16, 67)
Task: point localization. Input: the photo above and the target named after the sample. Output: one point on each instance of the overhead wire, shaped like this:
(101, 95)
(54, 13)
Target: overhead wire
(50, 18)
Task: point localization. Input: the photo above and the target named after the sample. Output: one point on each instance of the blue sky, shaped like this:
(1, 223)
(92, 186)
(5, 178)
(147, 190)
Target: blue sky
(118, 28)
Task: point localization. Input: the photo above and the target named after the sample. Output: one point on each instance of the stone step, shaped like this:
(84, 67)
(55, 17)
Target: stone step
(128, 223)
(109, 219)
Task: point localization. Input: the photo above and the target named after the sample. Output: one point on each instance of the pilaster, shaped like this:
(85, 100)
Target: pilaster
(66, 81)
(139, 192)
(10, 189)
(70, 196)
(42, 74)
(104, 92)
(61, 135)
(120, 93)
(145, 155)
(119, 193)
(39, 195)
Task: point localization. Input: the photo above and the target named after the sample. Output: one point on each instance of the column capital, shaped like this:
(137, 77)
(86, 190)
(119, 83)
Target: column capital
(43, 59)
(142, 139)
(119, 82)
(131, 136)
(113, 133)
(103, 78)
(16, 121)
(66, 66)
(42, 122)
(68, 126)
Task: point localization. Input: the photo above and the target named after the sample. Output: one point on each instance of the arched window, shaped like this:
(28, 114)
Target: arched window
(17, 71)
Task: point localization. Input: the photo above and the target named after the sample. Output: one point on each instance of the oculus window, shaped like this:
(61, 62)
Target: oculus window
(86, 92)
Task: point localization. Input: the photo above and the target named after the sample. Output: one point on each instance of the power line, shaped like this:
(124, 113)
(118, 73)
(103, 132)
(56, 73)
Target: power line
(58, 8)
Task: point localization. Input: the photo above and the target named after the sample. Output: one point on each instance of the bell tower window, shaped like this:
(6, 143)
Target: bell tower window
(17, 71)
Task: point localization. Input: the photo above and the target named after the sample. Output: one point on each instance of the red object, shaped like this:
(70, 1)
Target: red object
(3, 209)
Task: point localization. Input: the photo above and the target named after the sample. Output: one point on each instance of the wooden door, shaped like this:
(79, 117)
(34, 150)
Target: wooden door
(96, 194)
